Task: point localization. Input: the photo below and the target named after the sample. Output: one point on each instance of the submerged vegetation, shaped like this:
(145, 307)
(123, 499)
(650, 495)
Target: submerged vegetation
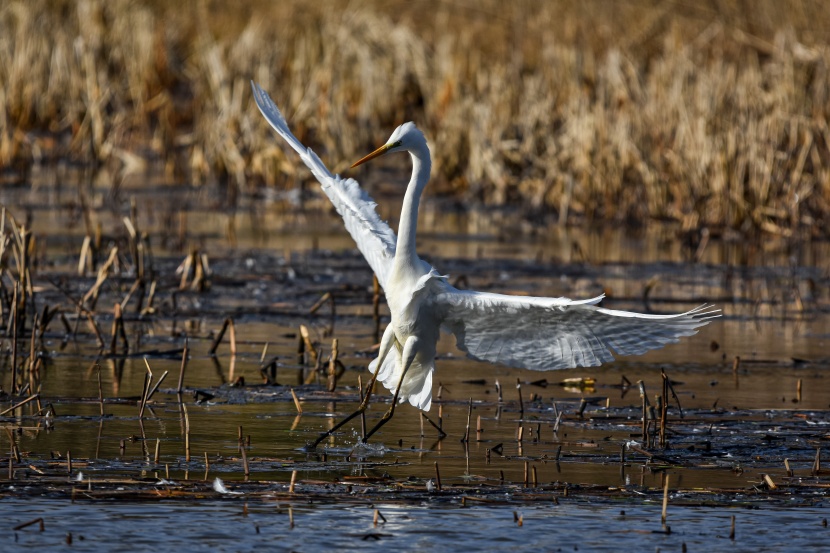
(710, 115)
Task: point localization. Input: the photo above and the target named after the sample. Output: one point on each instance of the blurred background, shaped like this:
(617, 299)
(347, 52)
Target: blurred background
(710, 114)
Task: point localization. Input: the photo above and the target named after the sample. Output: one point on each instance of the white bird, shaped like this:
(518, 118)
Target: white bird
(519, 331)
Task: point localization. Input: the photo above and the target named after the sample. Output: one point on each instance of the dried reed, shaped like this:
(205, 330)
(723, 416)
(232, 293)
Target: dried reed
(707, 115)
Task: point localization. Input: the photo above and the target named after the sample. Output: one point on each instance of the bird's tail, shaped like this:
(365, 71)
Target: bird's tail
(416, 387)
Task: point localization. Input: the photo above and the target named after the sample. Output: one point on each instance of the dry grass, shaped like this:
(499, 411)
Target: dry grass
(711, 115)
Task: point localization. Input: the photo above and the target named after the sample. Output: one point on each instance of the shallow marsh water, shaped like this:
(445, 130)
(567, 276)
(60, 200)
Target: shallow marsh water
(270, 264)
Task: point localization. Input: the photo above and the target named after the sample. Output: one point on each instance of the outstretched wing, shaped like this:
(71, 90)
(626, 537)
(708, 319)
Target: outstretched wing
(375, 240)
(556, 333)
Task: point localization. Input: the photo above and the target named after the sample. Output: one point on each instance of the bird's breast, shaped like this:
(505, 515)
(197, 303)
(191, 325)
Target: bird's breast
(409, 294)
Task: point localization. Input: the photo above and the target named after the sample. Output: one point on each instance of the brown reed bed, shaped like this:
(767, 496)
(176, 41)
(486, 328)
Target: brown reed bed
(710, 116)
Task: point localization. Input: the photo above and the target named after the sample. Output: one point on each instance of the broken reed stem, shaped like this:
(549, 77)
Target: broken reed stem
(816, 462)
(100, 392)
(118, 330)
(293, 481)
(186, 267)
(469, 414)
(665, 498)
(218, 339)
(245, 466)
(644, 397)
(68, 462)
(156, 454)
(21, 404)
(182, 368)
(137, 284)
(332, 372)
(232, 336)
(15, 317)
(674, 395)
(521, 402)
(732, 529)
(787, 468)
(151, 296)
(662, 429)
(323, 299)
(296, 402)
(38, 521)
(437, 477)
(478, 428)
(148, 378)
(156, 387)
(186, 434)
(307, 344)
(798, 391)
(33, 358)
(440, 417)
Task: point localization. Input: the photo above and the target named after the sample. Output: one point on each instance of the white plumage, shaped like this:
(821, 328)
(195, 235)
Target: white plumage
(527, 332)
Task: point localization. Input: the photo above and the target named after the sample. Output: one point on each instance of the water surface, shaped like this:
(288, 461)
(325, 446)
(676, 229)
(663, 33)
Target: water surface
(731, 424)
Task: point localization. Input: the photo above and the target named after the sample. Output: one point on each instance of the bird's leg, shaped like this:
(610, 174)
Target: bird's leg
(385, 347)
(410, 348)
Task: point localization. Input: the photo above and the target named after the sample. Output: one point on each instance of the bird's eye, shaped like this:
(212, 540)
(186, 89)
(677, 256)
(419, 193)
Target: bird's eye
(396, 144)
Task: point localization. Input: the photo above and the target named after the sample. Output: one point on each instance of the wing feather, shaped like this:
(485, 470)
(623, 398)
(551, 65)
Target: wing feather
(556, 333)
(374, 238)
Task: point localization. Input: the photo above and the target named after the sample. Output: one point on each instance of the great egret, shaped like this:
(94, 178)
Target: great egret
(520, 331)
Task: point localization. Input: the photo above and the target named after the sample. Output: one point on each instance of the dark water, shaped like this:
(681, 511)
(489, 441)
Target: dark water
(215, 525)
(270, 263)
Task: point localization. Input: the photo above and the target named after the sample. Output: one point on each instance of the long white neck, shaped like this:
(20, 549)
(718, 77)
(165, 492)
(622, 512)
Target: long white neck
(405, 251)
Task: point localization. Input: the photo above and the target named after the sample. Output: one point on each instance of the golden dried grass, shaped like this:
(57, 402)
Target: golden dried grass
(595, 111)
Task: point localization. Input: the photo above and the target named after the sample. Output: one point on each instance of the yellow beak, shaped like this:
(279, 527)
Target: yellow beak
(379, 152)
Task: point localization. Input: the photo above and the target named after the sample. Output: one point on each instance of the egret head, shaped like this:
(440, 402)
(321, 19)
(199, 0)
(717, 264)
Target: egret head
(407, 137)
